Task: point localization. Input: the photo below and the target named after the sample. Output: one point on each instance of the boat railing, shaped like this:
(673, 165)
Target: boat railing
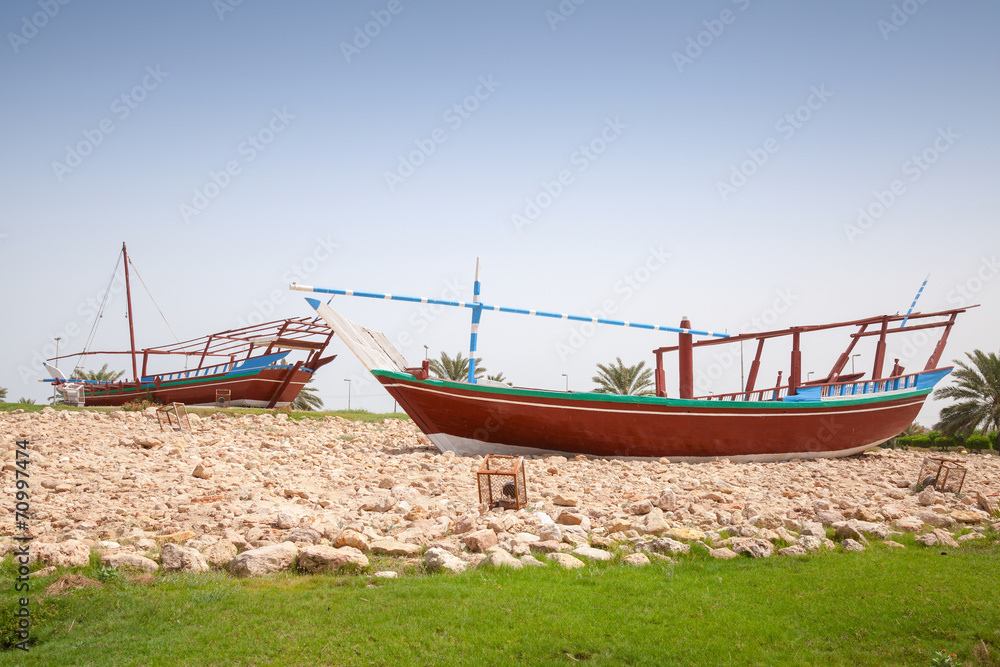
(827, 390)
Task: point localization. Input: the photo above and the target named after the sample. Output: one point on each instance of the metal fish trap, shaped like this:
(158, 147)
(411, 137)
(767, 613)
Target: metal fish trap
(945, 475)
(173, 416)
(502, 482)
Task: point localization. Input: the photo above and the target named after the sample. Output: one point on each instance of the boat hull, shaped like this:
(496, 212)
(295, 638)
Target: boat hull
(476, 419)
(254, 390)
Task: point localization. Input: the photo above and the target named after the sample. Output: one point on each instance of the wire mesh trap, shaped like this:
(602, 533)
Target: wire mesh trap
(502, 482)
(945, 475)
(173, 416)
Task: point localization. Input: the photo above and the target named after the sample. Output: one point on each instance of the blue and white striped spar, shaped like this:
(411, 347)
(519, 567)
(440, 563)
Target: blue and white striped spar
(478, 307)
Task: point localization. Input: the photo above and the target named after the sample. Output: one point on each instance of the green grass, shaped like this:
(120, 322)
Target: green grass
(352, 415)
(879, 607)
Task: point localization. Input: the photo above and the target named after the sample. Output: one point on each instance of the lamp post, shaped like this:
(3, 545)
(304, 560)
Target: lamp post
(426, 352)
(852, 361)
(348, 394)
(809, 375)
(58, 338)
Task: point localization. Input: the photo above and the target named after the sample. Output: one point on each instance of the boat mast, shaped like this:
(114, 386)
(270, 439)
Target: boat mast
(131, 329)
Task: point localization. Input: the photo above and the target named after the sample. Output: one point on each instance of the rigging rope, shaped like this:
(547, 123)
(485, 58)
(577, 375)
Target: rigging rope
(97, 320)
(132, 264)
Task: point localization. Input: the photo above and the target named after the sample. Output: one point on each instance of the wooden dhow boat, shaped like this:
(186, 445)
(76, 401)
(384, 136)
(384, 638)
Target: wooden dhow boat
(840, 414)
(244, 367)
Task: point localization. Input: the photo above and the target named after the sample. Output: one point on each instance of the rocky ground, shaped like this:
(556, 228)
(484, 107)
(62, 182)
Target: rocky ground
(262, 493)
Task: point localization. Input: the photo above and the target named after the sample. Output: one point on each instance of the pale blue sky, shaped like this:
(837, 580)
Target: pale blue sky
(532, 92)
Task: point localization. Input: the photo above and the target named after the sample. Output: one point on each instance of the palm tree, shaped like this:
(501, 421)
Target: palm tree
(26, 401)
(498, 377)
(3, 394)
(456, 368)
(977, 388)
(103, 375)
(624, 380)
(307, 399)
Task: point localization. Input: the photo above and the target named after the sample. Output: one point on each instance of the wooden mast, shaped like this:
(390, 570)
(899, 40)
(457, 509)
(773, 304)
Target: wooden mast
(131, 329)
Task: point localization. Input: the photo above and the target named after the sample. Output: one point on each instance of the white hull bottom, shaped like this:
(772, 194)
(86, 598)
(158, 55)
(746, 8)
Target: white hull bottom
(472, 447)
(243, 404)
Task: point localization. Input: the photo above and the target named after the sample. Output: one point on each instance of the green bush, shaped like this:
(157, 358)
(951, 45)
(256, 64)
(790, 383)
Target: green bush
(977, 442)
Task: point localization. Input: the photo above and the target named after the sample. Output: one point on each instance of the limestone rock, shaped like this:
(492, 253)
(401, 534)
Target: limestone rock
(722, 553)
(436, 560)
(752, 546)
(565, 561)
(176, 538)
(385, 574)
(71, 553)
(810, 542)
(286, 521)
(653, 523)
(481, 540)
(852, 545)
(813, 528)
(687, 534)
(637, 559)
(265, 560)
(910, 524)
(928, 496)
(664, 545)
(829, 517)
(565, 500)
(793, 550)
(531, 561)
(203, 471)
(182, 559)
(936, 520)
(306, 534)
(321, 558)
(352, 538)
(129, 560)
(640, 508)
(592, 553)
(218, 554)
(550, 532)
(667, 500)
(394, 548)
(500, 558)
(967, 516)
(893, 545)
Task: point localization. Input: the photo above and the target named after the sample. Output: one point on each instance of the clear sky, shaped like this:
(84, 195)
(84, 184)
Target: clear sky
(795, 162)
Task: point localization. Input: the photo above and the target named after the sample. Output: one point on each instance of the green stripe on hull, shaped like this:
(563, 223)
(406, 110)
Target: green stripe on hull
(654, 400)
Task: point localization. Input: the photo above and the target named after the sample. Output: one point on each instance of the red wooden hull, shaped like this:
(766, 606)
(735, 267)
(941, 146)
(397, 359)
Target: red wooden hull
(245, 391)
(475, 419)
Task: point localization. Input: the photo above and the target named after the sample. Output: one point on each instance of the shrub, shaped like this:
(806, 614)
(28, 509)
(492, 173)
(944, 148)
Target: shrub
(977, 442)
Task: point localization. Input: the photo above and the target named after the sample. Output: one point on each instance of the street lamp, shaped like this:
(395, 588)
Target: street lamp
(567, 382)
(58, 338)
(426, 352)
(348, 395)
(852, 361)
